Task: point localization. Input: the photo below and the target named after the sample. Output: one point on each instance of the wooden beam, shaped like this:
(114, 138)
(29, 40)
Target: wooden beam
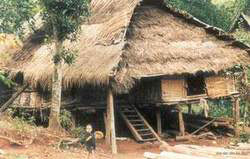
(181, 122)
(158, 117)
(12, 99)
(111, 120)
(236, 115)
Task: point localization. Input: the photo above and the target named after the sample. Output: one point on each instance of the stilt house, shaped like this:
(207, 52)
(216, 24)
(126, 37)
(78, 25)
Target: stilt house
(141, 53)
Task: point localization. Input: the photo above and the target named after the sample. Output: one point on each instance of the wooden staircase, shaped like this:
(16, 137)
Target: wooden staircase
(137, 124)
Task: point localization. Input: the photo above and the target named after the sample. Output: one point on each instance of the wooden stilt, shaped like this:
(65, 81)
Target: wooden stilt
(189, 108)
(236, 115)
(111, 120)
(107, 127)
(181, 122)
(158, 117)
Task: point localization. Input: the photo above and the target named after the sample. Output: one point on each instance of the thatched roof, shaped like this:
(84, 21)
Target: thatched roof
(99, 47)
(157, 42)
(160, 43)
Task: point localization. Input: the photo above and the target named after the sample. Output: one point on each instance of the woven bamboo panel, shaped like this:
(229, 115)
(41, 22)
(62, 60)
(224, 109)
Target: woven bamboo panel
(219, 86)
(231, 87)
(173, 89)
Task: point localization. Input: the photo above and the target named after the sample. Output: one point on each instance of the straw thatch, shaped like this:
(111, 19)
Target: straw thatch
(159, 42)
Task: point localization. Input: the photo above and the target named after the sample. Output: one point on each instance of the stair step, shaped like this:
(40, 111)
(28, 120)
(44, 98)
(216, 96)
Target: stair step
(139, 120)
(128, 111)
(132, 116)
(138, 124)
(148, 134)
(150, 139)
(142, 130)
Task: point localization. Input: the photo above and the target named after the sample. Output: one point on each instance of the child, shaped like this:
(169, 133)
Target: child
(89, 140)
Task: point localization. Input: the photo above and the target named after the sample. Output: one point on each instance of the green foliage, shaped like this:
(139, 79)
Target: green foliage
(78, 132)
(235, 71)
(220, 108)
(241, 34)
(65, 119)
(244, 138)
(66, 55)
(64, 17)
(21, 116)
(6, 80)
(14, 13)
(222, 16)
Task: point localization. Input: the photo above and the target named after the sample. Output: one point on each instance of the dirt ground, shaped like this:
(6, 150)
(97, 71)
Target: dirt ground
(127, 150)
(44, 144)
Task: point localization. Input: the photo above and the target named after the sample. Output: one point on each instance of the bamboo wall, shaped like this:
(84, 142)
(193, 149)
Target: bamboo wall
(219, 86)
(173, 89)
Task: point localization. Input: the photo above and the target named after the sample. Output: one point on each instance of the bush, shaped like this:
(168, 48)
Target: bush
(78, 132)
(65, 119)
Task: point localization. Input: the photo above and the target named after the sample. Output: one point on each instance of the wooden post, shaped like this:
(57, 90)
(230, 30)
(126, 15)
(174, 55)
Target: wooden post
(181, 122)
(111, 120)
(158, 117)
(189, 108)
(236, 115)
(107, 128)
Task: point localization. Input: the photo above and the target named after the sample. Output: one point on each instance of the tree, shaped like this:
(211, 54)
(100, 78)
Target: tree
(14, 13)
(63, 18)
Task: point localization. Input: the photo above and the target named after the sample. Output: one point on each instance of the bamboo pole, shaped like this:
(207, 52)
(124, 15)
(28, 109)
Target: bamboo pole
(111, 122)
(12, 99)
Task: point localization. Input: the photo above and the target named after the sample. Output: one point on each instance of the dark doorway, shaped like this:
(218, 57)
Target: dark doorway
(195, 85)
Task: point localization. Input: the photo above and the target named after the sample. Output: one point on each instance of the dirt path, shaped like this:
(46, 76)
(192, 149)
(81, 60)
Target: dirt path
(127, 150)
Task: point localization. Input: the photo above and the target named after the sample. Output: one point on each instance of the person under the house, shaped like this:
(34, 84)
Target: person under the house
(89, 141)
